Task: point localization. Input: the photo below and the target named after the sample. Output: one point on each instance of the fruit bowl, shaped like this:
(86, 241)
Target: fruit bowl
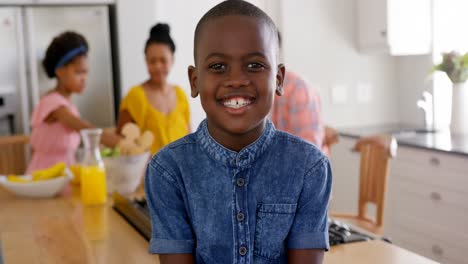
(37, 189)
(124, 173)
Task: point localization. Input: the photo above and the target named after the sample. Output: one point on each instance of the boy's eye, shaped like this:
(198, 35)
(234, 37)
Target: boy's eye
(254, 66)
(217, 67)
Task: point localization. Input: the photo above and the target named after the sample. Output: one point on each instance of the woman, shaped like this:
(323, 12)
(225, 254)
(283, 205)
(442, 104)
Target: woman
(55, 120)
(157, 105)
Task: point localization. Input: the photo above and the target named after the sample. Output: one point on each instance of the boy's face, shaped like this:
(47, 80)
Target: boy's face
(236, 73)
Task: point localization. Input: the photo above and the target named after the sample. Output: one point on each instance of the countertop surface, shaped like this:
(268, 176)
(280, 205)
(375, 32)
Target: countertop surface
(62, 230)
(410, 136)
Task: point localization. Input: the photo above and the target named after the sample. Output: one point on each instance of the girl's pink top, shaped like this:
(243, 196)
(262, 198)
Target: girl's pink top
(52, 142)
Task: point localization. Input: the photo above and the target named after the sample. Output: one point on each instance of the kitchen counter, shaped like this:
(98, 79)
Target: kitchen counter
(406, 136)
(62, 230)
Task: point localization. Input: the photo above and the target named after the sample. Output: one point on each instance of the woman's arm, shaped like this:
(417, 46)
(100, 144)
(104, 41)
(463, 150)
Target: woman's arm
(305, 256)
(68, 119)
(176, 259)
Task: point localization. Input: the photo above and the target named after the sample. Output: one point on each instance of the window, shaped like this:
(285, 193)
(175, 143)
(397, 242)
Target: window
(450, 26)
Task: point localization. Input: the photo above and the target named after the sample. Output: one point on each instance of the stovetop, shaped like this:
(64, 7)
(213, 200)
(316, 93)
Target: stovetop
(137, 214)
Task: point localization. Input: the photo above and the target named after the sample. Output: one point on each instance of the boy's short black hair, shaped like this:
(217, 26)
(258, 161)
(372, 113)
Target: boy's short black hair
(232, 8)
(161, 34)
(60, 46)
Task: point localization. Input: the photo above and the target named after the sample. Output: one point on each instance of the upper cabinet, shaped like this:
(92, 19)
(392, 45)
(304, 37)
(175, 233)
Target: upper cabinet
(397, 27)
(54, 2)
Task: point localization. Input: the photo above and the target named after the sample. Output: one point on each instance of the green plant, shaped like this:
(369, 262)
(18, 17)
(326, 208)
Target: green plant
(455, 65)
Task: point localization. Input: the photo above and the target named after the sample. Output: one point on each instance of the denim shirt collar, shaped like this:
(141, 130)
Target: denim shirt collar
(245, 156)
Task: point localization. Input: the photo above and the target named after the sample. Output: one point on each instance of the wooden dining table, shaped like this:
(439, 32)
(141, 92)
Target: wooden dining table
(62, 230)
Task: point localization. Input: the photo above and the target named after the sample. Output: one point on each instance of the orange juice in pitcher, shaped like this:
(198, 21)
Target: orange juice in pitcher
(93, 185)
(92, 172)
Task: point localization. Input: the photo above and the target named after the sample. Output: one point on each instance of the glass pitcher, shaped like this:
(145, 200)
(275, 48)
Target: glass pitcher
(93, 175)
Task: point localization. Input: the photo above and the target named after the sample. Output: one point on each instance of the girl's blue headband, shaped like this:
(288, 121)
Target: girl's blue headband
(70, 55)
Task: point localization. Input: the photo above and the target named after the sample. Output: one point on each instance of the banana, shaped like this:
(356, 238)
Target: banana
(14, 178)
(49, 173)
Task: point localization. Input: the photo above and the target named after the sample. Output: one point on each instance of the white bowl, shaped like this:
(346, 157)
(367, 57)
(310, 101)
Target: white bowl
(124, 173)
(37, 189)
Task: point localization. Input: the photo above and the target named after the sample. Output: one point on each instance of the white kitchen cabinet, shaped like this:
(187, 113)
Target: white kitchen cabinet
(345, 169)
(397, 27)
(427, 204)
(427, 199)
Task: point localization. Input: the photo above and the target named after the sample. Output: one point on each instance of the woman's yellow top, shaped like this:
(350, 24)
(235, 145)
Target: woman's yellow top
(166, 128)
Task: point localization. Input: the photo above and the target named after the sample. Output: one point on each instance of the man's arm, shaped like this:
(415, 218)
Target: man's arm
(305, 113)
(305, 256)
(178, 259)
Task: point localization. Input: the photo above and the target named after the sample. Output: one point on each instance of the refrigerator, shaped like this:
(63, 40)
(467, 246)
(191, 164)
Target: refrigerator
(25, 33)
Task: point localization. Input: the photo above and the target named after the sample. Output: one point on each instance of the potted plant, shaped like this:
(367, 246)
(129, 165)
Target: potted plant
(455, 65)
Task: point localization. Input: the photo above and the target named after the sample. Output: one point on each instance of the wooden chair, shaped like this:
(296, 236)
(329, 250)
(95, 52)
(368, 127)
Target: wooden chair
(13, 154)
(331, 138)
(375, 152)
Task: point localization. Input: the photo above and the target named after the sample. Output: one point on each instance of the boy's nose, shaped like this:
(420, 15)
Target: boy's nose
(237, 83)
(236, 78)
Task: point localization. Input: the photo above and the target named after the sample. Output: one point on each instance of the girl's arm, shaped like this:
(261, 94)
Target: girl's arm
(68, 119)
(124, 118)
(305, 256)
(176, 259)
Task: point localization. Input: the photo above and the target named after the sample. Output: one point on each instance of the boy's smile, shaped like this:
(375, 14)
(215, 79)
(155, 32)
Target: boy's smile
(237, 103)
(236, 76)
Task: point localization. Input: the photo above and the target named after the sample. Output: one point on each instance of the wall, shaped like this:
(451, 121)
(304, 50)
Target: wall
(412, 79)
(326, 57)
(133, 21)
(320, 43)
(183, 17)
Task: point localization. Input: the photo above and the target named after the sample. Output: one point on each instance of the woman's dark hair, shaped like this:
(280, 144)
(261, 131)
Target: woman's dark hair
(62, 50)
(161, 34)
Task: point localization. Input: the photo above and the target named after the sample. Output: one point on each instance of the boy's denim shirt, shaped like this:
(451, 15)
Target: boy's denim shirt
(238, 207)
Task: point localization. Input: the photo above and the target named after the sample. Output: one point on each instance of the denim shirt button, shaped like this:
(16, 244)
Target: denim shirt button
(240, 217)
(242, 251)
(240, 182)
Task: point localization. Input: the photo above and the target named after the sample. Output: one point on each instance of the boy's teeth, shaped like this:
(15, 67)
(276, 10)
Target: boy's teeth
(236, 102)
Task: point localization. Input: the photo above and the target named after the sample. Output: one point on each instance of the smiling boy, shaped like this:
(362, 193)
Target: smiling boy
(237, 190)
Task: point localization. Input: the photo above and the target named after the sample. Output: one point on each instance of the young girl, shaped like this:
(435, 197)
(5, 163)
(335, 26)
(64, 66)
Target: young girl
(156, 105)
(55, 120)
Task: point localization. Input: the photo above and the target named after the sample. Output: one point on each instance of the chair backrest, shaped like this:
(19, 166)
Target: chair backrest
(330, 139)
(13, 154)
(375, 154)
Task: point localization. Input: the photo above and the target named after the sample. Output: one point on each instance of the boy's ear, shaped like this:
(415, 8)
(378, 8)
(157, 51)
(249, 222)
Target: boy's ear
(192, 75)
(280, 73)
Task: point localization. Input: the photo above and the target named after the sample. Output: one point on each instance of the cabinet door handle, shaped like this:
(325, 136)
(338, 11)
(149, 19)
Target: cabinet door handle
(383, 33)
(435, 196)
(434, 161)
(437, 250)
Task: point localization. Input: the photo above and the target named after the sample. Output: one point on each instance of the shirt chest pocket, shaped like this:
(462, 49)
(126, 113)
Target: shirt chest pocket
(273, 222)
